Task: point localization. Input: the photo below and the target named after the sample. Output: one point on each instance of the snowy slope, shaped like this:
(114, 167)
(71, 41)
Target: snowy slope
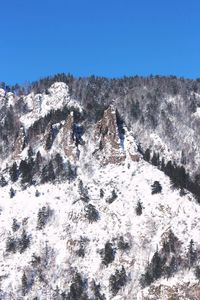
(132, 182)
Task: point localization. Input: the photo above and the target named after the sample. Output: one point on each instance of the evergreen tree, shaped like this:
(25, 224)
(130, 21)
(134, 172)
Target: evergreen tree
(12, 192)
(59, 167)
(101, 193)
(155, 159)
(15, 225)
(38, 162)
(3, 182)
(156, 187)
(24, 284)
(112, 198)
(96, 288)
(108, 254)
(13, 172)
(156, 266)
(122, 245)
(70, 171)
(146, 155)
(24, 242)
(172, 244)
(192, 255)
(197, 272)
(11, 244)
(117, 281)
(48, 173)
(50, 139)
(162, 167)
(91, 213)
(138, 208)
(146, 279)
(42, 218)
(25, 169)
(77, 289)
(30, 153)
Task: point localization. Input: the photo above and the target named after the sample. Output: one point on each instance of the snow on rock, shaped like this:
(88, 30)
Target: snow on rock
(19, 144)
(11, 99)
(197, 113)
(66, 138)
(59, 89)
(2, 99)
(2, 93)
(40, 105)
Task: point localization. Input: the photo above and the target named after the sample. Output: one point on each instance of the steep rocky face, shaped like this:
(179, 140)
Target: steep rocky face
(178, 291)
(162, 113)
(114, 143)
(107, 136)
(19, 143)
(67, 141)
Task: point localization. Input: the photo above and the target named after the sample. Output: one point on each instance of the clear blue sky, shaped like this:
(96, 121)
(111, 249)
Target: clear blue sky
(105, 37)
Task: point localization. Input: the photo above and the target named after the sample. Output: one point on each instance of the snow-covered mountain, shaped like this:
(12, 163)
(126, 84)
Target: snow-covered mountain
(84, 213)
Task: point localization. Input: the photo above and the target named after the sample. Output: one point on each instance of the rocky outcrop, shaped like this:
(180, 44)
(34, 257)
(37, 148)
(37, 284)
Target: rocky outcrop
(48, 137)
(109, 148)
(180, 291)
(19, 143)
(67, 139)
(113, 143)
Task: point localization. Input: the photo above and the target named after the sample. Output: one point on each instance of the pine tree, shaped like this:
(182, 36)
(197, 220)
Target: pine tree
(146, 155)
(192, 255)
(108, 254)
(122, 245)
(3, 182)
(156, 266)
(197, 272)
(91, 213)
(15, 225)
(59, 169)
(112, 198)
(43, 215)
(77, 288)
(156, 187)
(48, 173)
(24, 242)
(12, 192)
(13, 172)
(138, 208)
(25, 169)
(101, 193)
(24, 284)
(50, 139)
(11, 244)
(117, 281)
(38, 162)
(30, 153)
(155, 159)
(96, 288)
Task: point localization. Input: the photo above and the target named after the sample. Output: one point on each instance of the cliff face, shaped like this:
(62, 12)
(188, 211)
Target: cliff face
(51, 121)
(19, 144)
(67, 139)
(107, 135)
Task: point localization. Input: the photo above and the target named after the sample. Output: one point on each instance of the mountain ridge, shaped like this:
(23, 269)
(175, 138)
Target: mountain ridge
(80, 197)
